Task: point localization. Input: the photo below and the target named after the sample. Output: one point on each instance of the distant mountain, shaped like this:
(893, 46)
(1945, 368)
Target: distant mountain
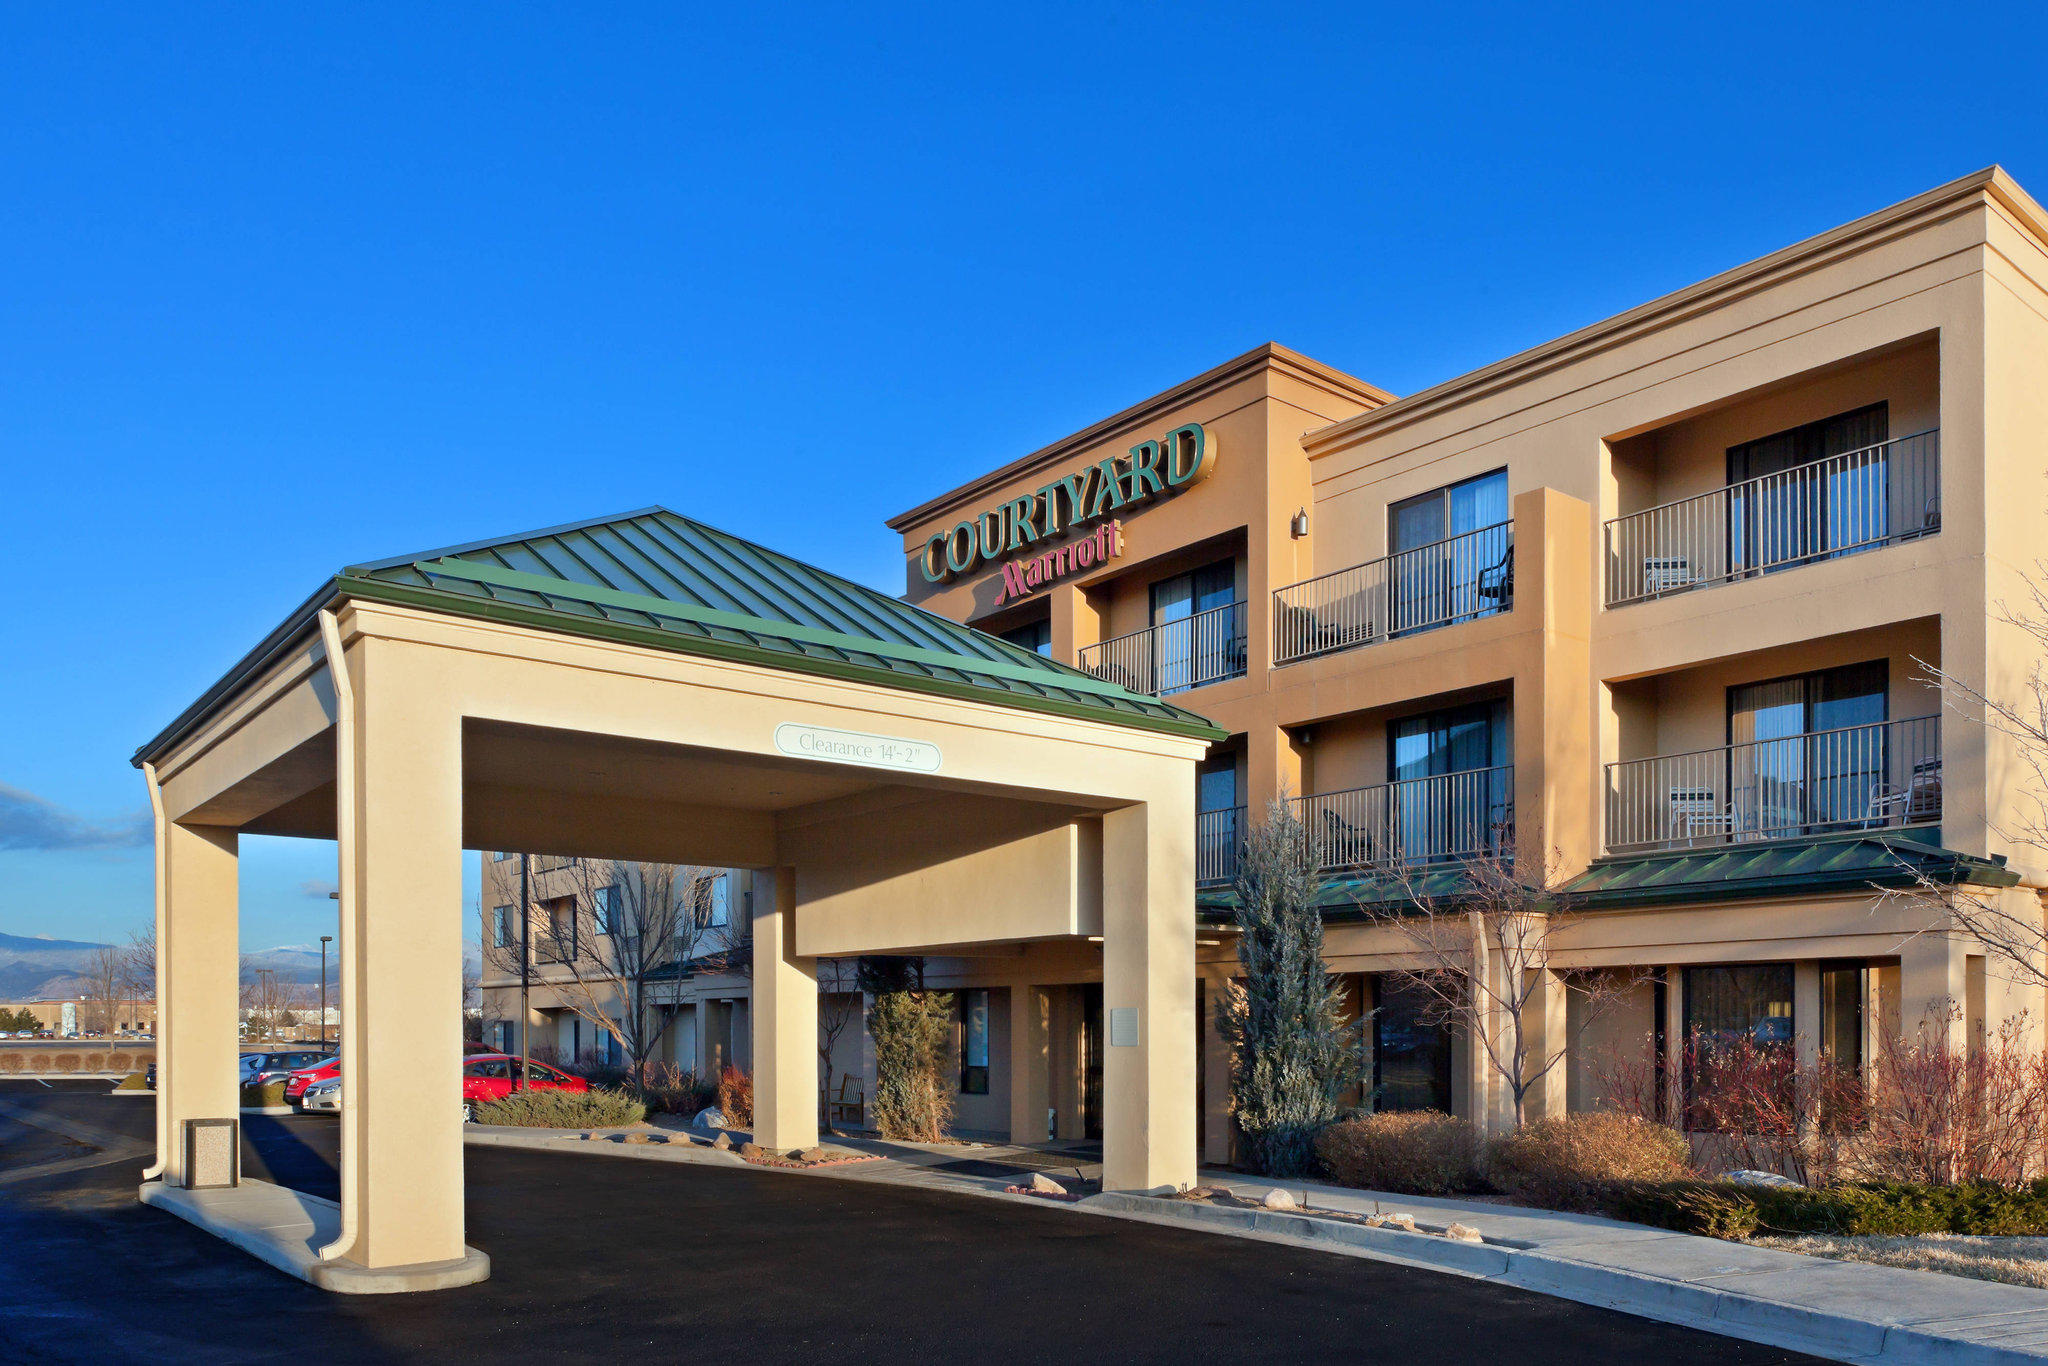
(35, 969)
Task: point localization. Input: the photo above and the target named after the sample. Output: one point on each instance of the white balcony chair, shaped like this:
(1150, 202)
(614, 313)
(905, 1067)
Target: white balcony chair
(1695, 812)
(1665, 573)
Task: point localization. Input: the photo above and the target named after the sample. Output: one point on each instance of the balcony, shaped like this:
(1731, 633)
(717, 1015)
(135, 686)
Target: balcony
(1857, 778)
(1442, 819)
(1457, 579)
(1173, 656)
(1416, 821)
(1219, 836)
(1859, 500)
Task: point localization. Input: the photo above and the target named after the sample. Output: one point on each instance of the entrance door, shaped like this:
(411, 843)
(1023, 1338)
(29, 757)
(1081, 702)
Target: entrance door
(1091, 1061)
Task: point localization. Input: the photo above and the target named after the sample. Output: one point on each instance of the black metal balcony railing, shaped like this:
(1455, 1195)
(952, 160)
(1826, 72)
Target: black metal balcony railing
(1445, 582)
(1219, 835)
(1856, 778)
(1173, 656)
(1859, 500)
(1413, 821)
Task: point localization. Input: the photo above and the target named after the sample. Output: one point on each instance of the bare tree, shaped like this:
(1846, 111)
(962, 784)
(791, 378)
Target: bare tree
(267, 1003)
(139, 965)
(839, 1008)
(620, 932)
(1486, 952)
(106, 984)
(2012, 928)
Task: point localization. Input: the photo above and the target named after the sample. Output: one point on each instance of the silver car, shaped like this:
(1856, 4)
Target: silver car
(322, 1096)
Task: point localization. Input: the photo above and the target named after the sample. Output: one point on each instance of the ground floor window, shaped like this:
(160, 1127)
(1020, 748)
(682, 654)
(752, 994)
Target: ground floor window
(974, 1042)
(1411, 1050)
(1725, 1005)
(1842, 988)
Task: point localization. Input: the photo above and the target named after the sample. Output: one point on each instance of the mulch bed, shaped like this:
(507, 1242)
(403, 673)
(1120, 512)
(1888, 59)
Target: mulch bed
(776, 1160)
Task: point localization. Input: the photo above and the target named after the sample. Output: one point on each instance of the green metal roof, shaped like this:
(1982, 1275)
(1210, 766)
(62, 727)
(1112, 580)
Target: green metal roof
(657, 578)
(1738, 872)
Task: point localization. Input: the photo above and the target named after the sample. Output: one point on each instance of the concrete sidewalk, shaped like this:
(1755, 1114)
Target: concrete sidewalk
(1848, 1311)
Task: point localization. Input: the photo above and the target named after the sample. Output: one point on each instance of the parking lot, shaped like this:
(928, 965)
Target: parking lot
(594, 1258)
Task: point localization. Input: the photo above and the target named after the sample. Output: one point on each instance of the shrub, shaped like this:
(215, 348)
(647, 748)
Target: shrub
(66, 1062)
(736, 1097)
(674, 1090)
(95, 1062)
(1565, 1161)
(1946, 1115)
(268, 1094)
(913, 1035)
(1423, 1152)
(39, 1061)
(545, 1109)
(120, 1062)
(1723, 1209)
(1711, 1209)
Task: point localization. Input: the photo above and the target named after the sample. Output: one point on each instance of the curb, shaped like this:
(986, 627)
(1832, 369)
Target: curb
(1710, 1308)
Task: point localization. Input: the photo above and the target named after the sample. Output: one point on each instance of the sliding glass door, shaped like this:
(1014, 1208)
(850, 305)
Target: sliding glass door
(1807, 752)
(1452, 792)
(1435, 577)
(1190, 648)
(1785, 509)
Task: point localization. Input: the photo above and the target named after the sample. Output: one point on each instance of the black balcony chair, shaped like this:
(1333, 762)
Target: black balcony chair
(1497, 581)
(1349, 846)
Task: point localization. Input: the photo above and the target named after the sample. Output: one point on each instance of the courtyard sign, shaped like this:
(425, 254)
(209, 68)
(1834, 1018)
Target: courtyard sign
(1094, 494)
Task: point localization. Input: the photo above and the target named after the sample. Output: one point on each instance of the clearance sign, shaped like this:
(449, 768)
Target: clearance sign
(1096, 495)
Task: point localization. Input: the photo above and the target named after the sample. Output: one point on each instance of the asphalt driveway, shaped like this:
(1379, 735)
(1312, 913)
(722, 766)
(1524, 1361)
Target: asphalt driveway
(598, 1259)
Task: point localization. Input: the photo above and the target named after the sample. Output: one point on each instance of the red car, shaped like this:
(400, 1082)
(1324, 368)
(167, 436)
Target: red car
(295, 1083)
(490, 1076)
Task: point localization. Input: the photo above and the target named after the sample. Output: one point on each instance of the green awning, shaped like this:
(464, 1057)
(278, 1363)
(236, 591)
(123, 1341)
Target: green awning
(1751, 871)
(660, 579)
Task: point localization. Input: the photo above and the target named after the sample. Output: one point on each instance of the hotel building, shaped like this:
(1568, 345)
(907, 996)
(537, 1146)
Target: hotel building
(1657, 599)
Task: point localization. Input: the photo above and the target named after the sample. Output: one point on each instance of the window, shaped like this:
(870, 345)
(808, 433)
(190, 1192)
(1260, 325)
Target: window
(562, 929)
(1411, 1050)
(500, 856)
(1450, 816)
(1807, 513)
(714, 909)
(1806, 752)
(606, 903)
(505, 934)
(1842, 987)
(1725, 1005)
(1438, 579)
(974, 1042)
(1190, 648)
(1035, 636)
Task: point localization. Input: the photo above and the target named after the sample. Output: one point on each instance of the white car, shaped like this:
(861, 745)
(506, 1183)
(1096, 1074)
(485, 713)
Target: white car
(322, 1095)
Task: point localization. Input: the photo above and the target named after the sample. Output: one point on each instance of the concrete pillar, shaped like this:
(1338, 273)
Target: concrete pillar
(1215, 1075)
(1674, 1046)
(1933, 977)
(1556, 761)
(1549, 1033)
(1148, 992)
(1806, 1033)
(197, 986)
(785, 1019)
(401, 978)
(1030, 1072)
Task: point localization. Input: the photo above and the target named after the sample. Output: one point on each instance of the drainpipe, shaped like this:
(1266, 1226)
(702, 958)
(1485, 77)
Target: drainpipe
(163, 1015)
(345, 840)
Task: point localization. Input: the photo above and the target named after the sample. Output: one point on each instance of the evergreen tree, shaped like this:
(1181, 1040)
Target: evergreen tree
(1293, 1050)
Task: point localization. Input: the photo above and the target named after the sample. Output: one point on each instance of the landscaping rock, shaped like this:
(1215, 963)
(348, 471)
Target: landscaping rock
(1041, 1184)
(1400, 1221)
(751, 1149)
(813, 1155)
(1200, 1193)
(1464, 1233)
(708, 1118)
(722, 1142)
(637, 1138)
(1279, 1199)
(1756, 1178)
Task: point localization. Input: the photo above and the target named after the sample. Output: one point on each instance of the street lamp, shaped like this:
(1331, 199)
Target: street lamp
(325, 940)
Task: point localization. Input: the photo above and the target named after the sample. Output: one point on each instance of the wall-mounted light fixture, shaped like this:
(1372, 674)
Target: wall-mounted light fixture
(1298, 524)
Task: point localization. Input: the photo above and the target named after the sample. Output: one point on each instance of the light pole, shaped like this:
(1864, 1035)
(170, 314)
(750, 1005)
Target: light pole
(525, 961)
(325, 940)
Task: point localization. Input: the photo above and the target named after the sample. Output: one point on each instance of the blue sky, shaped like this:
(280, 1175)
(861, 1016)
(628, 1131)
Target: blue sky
(285, 290)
